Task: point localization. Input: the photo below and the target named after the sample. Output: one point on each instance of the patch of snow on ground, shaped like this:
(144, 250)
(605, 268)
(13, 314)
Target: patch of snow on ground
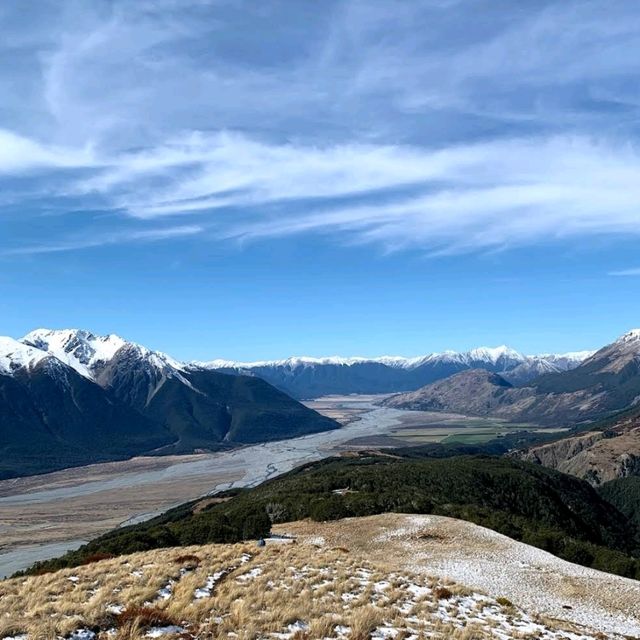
(205, 592)
(116, 609)
(166, 592)
(414, 525)
(82, 634)
(250, 575)
(292, 629)
(157, 632)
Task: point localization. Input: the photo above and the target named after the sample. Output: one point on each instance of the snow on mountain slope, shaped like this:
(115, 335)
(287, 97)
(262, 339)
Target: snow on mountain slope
(631, 337)
(106, 359)
(79, 349)
(566, 360)
(306, 377)
(615, 357)
(88, 353)
(491, 355)
(15, 355)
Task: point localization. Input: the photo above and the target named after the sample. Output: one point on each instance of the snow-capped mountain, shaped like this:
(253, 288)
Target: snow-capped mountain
(89, 354)
(305, 377)
(482, 354)
(70, 397)
(621, 354)
(604, 383)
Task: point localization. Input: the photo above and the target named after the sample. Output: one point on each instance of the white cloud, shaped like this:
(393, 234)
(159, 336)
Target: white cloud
(18, 153)
(411, 126)
(102, 239)
(626, 272)
(509, 192)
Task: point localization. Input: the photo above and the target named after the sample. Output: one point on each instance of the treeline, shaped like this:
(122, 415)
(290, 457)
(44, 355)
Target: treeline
(539, 506)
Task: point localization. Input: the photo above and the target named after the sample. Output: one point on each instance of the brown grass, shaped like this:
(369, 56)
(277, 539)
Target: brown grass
(281, 585)
(504, 602)
(145, 617)
(189, 559)
(443, 593)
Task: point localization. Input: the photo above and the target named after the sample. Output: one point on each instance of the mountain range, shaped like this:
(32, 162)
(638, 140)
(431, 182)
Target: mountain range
(69, 398)
(305, 377)
(606, 382)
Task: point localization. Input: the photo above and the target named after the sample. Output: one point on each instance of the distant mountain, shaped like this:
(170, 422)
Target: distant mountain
(312, 377)
(613, 371)
(473, 392)
(70, 397)
(52, 417)
(606, 382)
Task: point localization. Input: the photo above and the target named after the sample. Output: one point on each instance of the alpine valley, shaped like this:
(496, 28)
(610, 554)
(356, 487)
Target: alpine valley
(69, 397)
(556, 482)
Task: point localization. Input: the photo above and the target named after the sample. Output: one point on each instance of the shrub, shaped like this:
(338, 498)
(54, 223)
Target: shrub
(442, 593)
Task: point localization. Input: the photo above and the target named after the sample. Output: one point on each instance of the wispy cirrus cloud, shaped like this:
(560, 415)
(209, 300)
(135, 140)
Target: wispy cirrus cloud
(22, 154)
(633, 272)
(91, 241)
(404, 126)
(463, 198)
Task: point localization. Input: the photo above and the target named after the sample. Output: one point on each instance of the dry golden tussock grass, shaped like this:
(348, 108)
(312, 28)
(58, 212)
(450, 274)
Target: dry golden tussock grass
(245, 592)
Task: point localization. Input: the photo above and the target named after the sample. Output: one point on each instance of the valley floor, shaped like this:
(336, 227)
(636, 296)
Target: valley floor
(382, 577)
(39, 514)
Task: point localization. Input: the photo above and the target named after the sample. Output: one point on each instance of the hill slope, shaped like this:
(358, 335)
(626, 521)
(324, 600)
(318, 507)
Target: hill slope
(475, 392)
(542, 507)
(379, 577)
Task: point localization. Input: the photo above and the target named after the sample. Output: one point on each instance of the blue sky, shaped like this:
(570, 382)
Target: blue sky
(260, 179)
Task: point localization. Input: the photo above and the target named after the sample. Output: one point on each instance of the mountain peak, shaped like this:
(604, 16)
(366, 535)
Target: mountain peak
(77, 348)
(86, 351)
(493, 354)
(630, 336)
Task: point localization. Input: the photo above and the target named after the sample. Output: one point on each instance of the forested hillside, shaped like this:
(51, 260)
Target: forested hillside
(539, 506)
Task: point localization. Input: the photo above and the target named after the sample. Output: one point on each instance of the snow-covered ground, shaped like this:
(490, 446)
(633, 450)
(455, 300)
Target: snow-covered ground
(483, 560)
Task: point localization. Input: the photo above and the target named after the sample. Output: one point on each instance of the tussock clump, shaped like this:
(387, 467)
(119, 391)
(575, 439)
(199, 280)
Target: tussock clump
(443, 593)
(364, 621)
(145, 617)
(189, 559)
(504, 602)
